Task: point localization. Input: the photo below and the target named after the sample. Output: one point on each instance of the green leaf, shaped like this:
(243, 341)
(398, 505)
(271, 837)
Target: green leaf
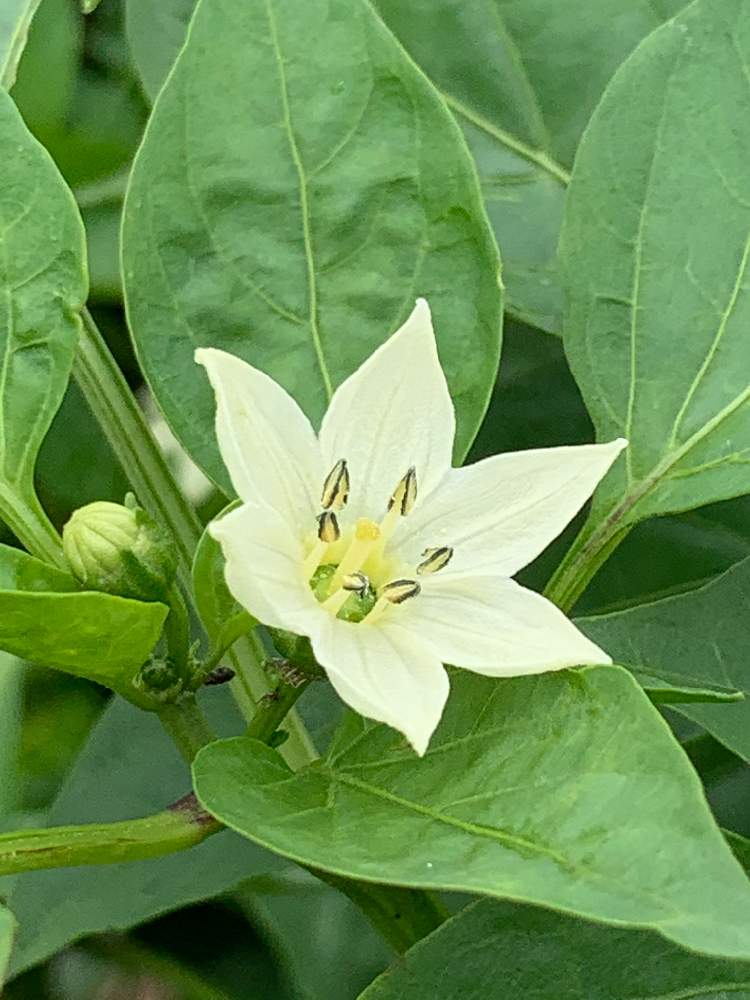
(222, 617)
(297, 228)
(656, 278)
(492, 951)
(15, 21)
(699, 639)
(550, 789)
(42, 289)
(45, 85)
(103, 638)
(108, 783)
(20, 571)
(522, 79)
(45, 618)
(156, 33)
(7, 933)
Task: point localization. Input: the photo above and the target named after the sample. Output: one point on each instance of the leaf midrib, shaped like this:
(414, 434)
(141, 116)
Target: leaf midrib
(304, 203)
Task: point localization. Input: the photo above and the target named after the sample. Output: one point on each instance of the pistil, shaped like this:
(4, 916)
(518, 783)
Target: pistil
(366, 534)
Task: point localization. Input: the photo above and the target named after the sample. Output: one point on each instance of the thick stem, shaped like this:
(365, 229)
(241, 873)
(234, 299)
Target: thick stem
(181, 826)
(186, 724)
(273, 708)
(127, 431)
(125, 427)
(584, 558)
(177, 632)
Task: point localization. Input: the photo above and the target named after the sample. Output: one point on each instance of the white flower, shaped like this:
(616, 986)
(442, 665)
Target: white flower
(365, 539)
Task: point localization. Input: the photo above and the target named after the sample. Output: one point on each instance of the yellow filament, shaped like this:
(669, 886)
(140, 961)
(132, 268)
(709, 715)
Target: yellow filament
(366, 534)
(376, 611)
(336, 601)
(314, 558)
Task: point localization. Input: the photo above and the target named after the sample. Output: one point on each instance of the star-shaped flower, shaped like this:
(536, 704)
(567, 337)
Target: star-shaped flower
(366, 540)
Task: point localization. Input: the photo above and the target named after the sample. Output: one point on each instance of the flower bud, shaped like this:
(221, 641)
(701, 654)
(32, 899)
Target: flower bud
(120, 550)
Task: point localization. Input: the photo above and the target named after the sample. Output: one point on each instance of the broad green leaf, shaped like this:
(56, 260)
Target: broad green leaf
(129, 768)
(155, 34)
(698, 639)
(98, 636)
(654, 254)
(551, 789)
(522, 79)
(493, 951)
(292, 205)
(42, 289)
(46, 619)
(15, 21)
(45, 86)
(7, 933)
(21, 572)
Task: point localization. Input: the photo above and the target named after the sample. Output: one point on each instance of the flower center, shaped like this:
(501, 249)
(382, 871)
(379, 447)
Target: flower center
(351, 573)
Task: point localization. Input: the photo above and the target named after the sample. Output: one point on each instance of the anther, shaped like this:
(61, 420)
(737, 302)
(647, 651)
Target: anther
(356, 583)
(436, 560)
(405, 495)
(328, 527)
(336, 487)
(398, 591)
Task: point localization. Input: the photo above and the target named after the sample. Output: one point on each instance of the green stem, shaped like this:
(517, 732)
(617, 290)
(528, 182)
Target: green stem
(181, 826)
(186, 724)
(125, 427)
(273, 708)
(588, 553)
(177, 632)
(401, 916)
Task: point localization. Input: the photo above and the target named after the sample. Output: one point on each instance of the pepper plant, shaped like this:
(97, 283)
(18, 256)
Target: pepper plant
(321, 323)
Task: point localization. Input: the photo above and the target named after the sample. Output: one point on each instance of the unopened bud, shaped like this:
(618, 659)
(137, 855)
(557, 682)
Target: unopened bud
(120, 550)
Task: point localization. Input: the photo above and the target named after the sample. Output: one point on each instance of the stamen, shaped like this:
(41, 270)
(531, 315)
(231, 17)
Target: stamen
(366, 534)
(328, 532)
(401, 503)
(436, 560)
(336, 487)
(405, 495)
(328, 527)
(398, 591)
(357, 583)
(353, 583)
(395, 592)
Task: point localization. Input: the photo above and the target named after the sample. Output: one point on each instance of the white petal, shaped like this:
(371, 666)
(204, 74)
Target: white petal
(393, 412)
(264, 568)
(493, 626)
(267, 443)
(385, 674)
(500, 513)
